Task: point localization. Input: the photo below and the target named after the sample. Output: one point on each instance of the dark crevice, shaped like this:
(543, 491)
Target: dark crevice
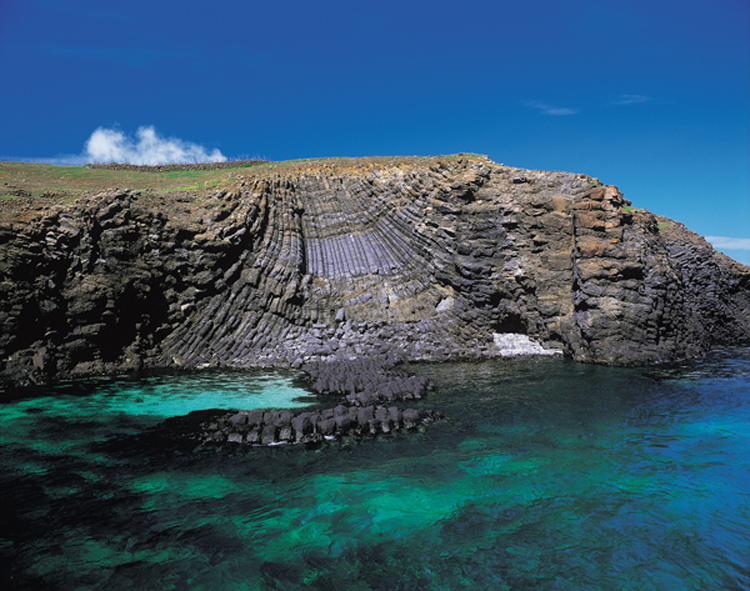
(510, 323)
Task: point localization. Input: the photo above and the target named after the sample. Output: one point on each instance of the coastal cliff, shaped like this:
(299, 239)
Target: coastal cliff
(399, 259)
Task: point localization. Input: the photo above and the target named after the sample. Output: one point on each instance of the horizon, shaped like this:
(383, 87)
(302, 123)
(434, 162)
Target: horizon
(652, 97)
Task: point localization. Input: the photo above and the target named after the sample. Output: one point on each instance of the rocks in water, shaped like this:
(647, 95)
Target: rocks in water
(351, 417)
(312, 427)
(366, 381)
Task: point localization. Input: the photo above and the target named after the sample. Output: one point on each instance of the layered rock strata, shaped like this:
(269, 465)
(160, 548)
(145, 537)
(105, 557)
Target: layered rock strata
(333, 262)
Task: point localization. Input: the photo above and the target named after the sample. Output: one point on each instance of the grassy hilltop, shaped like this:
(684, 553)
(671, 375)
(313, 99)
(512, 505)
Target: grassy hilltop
(25, 186)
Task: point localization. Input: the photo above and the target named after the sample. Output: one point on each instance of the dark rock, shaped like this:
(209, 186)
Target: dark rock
(271, 417)
(340, 410)
(239, 419)
(387, 425)
(327, 427)
(302, 426)
(255, 417)
(362, 399)
(268, 435)
(286, 433)
(411, 418)
(284, 419)
(343, 423)
(365, 414)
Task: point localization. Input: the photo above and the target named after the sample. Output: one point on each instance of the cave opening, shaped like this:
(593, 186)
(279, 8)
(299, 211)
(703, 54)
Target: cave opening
(510, 323)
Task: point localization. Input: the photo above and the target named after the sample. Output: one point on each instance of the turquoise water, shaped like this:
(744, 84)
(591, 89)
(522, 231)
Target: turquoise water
(546, 475)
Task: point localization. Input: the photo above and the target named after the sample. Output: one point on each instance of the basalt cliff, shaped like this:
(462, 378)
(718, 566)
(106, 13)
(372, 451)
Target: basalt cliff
(405, 260)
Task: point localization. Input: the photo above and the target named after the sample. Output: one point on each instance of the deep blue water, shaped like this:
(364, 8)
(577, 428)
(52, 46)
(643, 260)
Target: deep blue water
(546, 474)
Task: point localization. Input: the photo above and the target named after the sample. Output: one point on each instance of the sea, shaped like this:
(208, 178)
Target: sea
(544, 474)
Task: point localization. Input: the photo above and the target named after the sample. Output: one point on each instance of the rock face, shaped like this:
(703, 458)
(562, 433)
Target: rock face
(362, 260)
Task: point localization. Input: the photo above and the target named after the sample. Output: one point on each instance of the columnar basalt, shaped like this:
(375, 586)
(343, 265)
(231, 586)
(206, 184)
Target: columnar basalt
(343, 261)
(370, 393)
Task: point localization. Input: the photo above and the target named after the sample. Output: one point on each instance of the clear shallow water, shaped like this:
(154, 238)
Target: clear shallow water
(546, 475)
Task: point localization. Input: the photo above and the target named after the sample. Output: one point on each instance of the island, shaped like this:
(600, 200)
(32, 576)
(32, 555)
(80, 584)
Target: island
(345, 268)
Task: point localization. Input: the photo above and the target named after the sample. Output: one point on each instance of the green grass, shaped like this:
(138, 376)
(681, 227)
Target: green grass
(55, 182)
(38, 179)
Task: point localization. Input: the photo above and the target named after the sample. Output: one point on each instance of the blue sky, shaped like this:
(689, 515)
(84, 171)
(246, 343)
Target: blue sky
(650, 95)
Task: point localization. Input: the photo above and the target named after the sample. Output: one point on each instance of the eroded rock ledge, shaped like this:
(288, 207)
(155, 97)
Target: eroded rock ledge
(328, 262)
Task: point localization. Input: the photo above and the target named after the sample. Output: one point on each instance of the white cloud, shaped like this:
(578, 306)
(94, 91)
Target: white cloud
(729, 243)
(631, 99)
(149, 148)
(550, 109)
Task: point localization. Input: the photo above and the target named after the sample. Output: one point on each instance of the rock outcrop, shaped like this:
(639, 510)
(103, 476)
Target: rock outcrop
(358, 260)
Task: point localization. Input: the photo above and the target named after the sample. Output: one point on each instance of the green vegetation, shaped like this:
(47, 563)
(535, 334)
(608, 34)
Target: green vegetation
(48, 183)
(48, 180)
(663, 226)
(465, 156)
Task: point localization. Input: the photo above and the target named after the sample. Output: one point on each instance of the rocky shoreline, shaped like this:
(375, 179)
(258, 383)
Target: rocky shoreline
(345, 270)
